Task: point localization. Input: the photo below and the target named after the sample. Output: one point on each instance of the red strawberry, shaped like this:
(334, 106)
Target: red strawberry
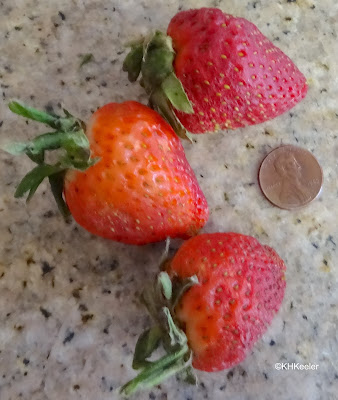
(240, 288)
(232, 74)
(140, 190)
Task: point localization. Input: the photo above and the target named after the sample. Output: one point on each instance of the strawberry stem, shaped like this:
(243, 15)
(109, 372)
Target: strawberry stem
(69, 136)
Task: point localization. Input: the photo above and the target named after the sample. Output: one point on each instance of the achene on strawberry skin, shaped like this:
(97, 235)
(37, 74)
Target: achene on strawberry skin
(124, 177)
(231, 73)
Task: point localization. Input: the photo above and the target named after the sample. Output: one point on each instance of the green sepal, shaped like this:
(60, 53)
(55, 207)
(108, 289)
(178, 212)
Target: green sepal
(76, 145)
(148, 342)
(69, 136)
(188, 376)
(173, 89)
(56, 182)
(159, 102)
(70, 141)
(78, 164)
(37, 158)
(158, 78)
(32, 113)
(150, 298)
(157, 60)
(158, 298)
(133, 61)
(32, 180)
(59, 123)
(165, 283)
(177, 360)
(77, 157)
(158, 371)
(177, 336)
(15, 148)
(157, 40)
(180, 287)
(68, 114)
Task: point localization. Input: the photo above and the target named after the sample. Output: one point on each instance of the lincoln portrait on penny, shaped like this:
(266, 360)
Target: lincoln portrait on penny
(292, 190)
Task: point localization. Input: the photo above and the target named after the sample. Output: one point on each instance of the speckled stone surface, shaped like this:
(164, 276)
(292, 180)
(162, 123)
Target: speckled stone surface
(69, 309)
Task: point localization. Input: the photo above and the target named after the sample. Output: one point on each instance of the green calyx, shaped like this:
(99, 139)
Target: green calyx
(153, 59)
(161, 299)
(68, 135)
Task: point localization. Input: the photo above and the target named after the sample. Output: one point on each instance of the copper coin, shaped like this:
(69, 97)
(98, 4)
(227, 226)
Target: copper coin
(290, 177)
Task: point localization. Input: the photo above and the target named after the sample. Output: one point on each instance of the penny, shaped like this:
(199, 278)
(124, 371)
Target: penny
(290, 177)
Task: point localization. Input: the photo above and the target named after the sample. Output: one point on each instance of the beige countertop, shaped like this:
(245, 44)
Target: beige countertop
(69, 308)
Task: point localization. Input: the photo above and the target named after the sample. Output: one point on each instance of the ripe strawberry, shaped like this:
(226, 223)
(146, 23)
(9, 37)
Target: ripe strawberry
(240, 288)
(139, 188)
(231, 73)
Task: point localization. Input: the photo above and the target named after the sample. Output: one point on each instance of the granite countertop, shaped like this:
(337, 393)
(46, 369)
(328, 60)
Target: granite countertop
(69, 308)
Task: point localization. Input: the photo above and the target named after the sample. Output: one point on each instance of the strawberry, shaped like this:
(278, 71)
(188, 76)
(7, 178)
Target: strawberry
(126, 179)
(232, 287)
(231, 73)
(241, 288)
